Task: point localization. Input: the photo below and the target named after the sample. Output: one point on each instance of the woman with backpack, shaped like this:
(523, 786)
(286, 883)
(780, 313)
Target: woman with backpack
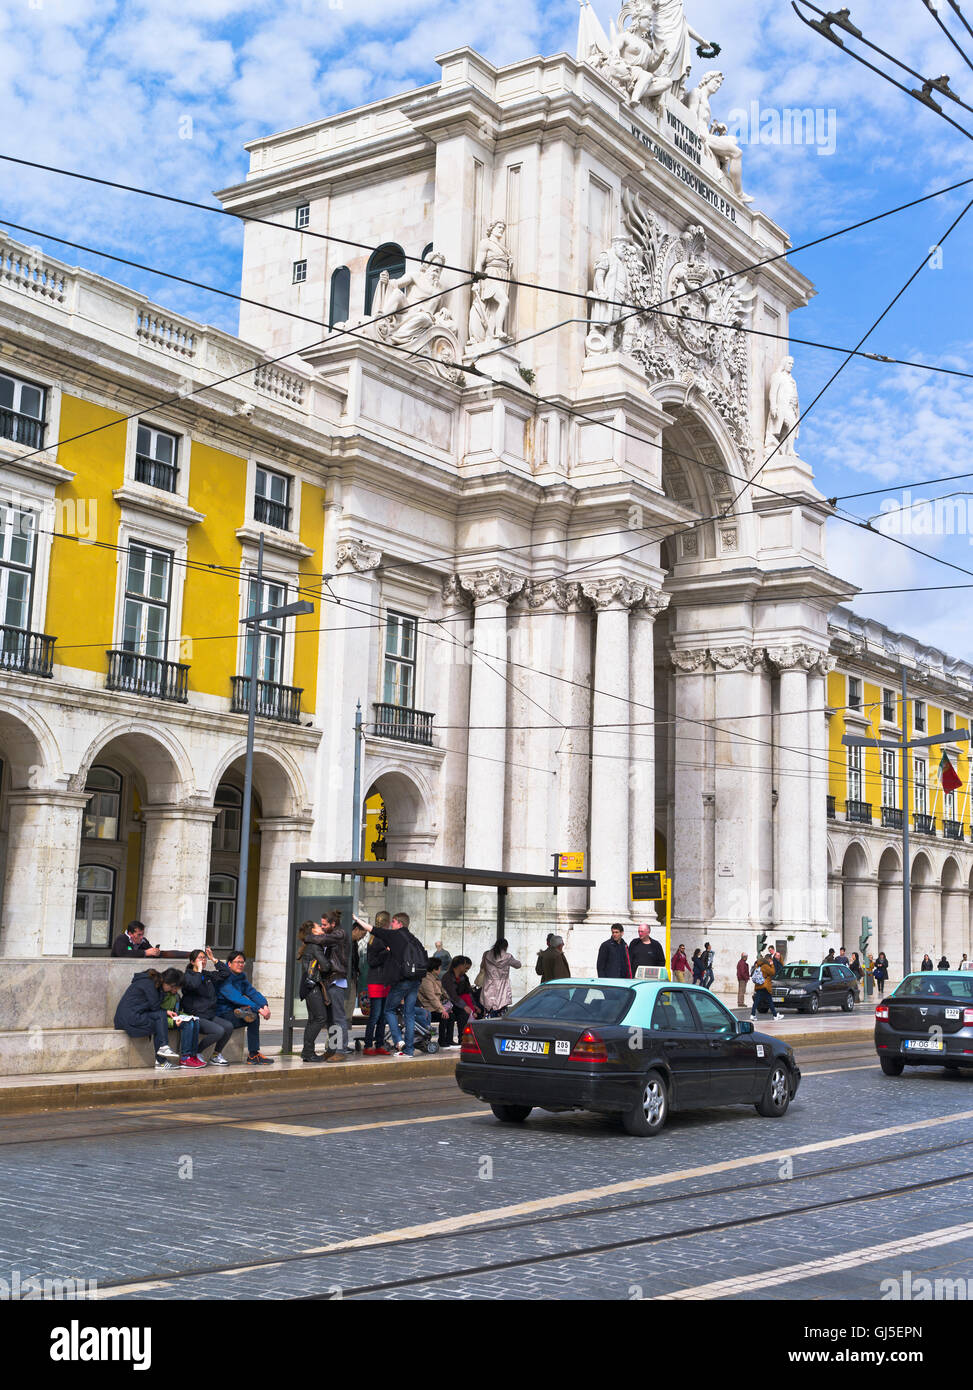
(763, 998)
(140, 1013)
(880, 972)
(496, 995)
(411, 964)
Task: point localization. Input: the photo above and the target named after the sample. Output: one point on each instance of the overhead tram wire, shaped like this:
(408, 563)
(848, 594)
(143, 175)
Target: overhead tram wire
(931, 7)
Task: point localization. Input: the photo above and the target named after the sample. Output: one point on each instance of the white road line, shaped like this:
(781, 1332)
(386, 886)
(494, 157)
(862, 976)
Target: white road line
(312, 1131)
(813, 1269)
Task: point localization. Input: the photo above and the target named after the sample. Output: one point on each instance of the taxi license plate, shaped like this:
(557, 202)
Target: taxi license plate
(536, 1049)
(924, 1045)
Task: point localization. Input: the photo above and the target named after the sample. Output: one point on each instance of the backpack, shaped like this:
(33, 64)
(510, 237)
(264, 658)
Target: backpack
(415, 962)
(757, 975)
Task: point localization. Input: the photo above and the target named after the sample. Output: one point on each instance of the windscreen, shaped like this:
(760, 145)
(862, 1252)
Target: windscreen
(801, 972)
(587, 1004)
(938, 986)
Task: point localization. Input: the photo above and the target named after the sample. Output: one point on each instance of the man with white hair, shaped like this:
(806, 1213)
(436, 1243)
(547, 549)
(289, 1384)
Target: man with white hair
(644, 951)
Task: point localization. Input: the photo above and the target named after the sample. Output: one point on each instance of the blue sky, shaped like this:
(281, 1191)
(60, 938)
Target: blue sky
(114, 89)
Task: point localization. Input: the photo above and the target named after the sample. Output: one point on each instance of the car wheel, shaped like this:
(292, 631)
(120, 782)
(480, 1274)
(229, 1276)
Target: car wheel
(813, 1004)
(892, 1066)
(777, 1094)
(650, 1112)
(849, 1003)
(512, 1114)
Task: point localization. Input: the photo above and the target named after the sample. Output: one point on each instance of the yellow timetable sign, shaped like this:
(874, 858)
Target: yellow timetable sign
(571, 863)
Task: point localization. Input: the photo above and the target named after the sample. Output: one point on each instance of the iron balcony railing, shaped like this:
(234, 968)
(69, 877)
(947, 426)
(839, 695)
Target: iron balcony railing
(22, 429)
(156, 473)
(280, 702)
(891, 818)
(859, 811)
(270, 513)
(148, 675)
(953, 830)
(405, 725)
(831, 808)
(29, 652)
(926, 825)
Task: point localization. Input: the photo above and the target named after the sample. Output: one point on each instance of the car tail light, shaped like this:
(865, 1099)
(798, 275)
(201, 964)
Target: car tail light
(968, 1018)
(882, 1012)
(469, 1044)
(589, 1048)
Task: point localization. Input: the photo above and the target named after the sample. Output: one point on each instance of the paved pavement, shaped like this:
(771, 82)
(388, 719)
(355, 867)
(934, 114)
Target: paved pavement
(866, 1179)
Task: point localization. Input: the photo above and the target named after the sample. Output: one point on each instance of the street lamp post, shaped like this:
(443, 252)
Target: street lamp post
(287, 610)
(903, 746)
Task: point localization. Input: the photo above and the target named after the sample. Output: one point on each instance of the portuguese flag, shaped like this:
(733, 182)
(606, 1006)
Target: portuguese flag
(949, 778)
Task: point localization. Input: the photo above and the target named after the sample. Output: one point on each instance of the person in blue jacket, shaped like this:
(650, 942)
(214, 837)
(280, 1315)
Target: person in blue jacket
(140, 1013)
(240, 1003)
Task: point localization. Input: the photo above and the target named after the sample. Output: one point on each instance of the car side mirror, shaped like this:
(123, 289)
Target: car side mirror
(744, 1025)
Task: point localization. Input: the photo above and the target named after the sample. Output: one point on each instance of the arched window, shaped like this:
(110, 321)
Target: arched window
(340, 296)
(226, 827)
(389, 257)
(101, 815)
(426, 251)
(94, 906)
(221, 911)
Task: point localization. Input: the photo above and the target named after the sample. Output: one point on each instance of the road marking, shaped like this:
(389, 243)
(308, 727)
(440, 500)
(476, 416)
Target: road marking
(312, 1131)
(724, 1288)
(461, 1223)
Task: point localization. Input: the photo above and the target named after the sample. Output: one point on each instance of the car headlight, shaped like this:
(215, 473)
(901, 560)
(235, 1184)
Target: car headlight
(798, 991)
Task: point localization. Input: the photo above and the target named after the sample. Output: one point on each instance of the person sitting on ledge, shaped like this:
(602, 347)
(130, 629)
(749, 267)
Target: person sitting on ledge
(140, 1013)
(240, 1004)
(132, 942)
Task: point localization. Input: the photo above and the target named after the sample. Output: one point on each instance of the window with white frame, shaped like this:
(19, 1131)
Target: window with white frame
(148, 593)
(22, 411)
(890, 778)
(303, 217)
(103, 809)
(888, 706)
(854, 693)
(854, 774)
(949, 805)
(18, 532)
(399, 675)
(269, 635)
(221, 911)
(948, 724)
(94, 906)
(155, 458)
(226, 826)
(272, 499)
(919, 716)
(300, 272)
(920, 792)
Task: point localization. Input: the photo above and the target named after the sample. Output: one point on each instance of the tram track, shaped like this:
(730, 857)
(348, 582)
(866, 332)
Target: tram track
(163, 1279)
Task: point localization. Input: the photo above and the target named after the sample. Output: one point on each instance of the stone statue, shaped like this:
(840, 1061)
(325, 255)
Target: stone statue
(633, 61)
(413, 303)
(672, 32)
(611, 287)
(649, 52)
(722, 147)
(491, 295)
(783, 412)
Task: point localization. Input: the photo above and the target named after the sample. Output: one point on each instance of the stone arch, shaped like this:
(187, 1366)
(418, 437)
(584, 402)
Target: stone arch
(926, 910)
(277, 778)
(859, 893)
(888, 934)
(408, 797)
(29, 748)
(955, 912)
(160, 761)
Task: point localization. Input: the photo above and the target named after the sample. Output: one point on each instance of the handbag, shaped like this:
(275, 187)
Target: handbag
(312, 979)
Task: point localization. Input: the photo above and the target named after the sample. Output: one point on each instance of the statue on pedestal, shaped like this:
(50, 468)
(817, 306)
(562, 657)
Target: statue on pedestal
(611, 288)
(783, 413)
(722, 147)
(409, 307)
(491, 294)
(649, 51)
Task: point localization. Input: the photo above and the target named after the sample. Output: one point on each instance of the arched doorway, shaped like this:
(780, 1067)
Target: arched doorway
(859, 895)
(397, 824)
(954, 913)
(925, 894)
(888, 933)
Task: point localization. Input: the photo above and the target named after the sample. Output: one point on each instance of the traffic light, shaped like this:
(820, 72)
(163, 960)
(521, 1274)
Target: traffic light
(866, 935)
(761, 942)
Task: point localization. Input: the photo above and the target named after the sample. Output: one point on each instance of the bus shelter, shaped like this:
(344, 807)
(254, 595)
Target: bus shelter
(466, 909)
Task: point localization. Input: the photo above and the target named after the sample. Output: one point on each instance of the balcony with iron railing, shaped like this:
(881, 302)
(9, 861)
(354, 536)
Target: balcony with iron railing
(953, 830)
(859, 811)
(403, 724)
(156, 473)
(923, 824)
(22, 429)
(831, 808)
(891, 818)
(31, 653)
(270, 513)
(274, 701)
(133, 674)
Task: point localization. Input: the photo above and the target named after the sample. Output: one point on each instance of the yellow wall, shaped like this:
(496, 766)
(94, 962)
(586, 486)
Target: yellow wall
(81, 588)
(211, 601)
(306, 628)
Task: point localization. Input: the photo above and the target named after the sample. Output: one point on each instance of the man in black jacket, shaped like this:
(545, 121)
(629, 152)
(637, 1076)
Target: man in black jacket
(644, 951)
(402, 943)
(613, 960)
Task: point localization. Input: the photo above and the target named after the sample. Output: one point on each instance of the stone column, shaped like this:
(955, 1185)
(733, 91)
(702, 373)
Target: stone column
(690, 857)
(818, 791)
(351, 674)
(41, 878)
(742, 791)
(175, 874)
(450, 664)
(283, 839)
(643, 717)
(486, 785)
(793, 875)
(613, 600)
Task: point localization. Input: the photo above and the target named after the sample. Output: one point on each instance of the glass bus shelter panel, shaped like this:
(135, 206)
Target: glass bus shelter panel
(530, 914)
(317, 895)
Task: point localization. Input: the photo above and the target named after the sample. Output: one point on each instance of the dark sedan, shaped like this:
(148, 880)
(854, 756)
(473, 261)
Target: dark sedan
(635, 1049)
(812, 987)
(927, 1021)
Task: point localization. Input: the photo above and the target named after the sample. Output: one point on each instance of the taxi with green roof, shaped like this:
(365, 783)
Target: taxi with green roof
(636, 1049)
